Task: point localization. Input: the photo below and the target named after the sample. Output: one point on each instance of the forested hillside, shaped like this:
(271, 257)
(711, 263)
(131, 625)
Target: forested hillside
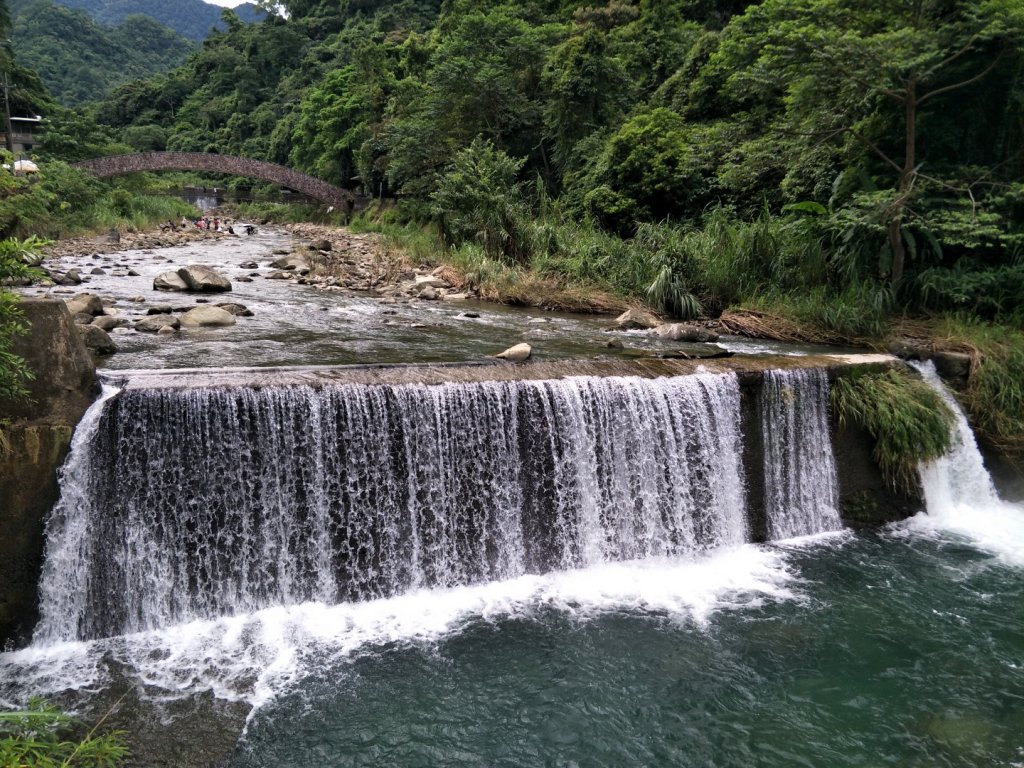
(81, 60)
(897, 127)
(192, 19)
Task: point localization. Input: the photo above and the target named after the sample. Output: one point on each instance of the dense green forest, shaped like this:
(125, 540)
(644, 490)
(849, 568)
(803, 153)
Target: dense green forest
(877, 142)
(80, 60)
(192, 19)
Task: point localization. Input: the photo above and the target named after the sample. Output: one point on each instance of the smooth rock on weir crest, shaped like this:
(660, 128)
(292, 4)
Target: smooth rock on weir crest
(193, 502)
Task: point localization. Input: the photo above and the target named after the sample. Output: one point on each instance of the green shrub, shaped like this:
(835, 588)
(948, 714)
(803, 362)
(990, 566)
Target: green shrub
(908, 420)
(15, 259)
(479, 200)
(995, 391)
(42, 736)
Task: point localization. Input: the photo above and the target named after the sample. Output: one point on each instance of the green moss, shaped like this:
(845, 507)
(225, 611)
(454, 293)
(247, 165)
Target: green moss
(908, 420)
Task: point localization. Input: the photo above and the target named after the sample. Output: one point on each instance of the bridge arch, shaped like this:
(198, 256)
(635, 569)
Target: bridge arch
(116, 165)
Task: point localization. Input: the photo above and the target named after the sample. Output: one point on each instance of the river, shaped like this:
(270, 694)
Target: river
(903, 646)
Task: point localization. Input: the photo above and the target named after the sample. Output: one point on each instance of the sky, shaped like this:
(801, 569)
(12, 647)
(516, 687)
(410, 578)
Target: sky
(226, 3)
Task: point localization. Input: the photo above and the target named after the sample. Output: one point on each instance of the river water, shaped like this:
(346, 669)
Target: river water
(901, 647)
(300, 325)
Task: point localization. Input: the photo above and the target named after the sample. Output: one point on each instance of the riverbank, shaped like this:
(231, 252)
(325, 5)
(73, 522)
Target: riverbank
(983, 361)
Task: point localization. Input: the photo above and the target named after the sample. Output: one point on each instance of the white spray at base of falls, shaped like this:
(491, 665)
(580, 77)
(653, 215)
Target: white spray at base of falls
(801, 485)
(959, 494)
(254, 657)
(214, 502)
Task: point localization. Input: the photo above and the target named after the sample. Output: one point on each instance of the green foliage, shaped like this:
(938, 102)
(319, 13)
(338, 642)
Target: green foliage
(63, 200)
(908, 421)
(650, 162)
(988, 292)
(43, 737)
(80, 60)
(479, 200)
(17, 259)
(995, 390)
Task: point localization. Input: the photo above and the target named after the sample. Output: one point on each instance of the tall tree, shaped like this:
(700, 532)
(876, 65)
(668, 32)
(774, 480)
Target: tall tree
(853, 68)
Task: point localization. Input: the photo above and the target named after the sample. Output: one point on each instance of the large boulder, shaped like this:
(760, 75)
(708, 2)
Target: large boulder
(110, 322)
(97, 340)
(153, 323)
(202, 278)
(85, 303)
(169, 281)
(207, 317)
(684, 332)
(292, 262)
(635, 318)
(516, 354)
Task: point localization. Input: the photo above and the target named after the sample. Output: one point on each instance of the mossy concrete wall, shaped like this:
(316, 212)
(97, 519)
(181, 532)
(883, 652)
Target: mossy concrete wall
(866, 500)
(33, 446)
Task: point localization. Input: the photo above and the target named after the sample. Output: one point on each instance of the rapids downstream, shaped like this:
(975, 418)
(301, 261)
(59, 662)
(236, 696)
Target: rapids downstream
(531, 572)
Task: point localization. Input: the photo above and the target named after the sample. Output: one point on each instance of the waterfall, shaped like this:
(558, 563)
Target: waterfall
(68, 545)
(959, 478)
(182, 504)
(801, 486)
(959, 494)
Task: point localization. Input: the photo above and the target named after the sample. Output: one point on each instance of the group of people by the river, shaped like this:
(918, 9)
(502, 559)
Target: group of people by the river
(213, 224)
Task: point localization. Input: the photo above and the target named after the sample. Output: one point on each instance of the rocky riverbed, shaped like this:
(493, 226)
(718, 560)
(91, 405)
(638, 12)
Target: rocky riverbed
(307, 294)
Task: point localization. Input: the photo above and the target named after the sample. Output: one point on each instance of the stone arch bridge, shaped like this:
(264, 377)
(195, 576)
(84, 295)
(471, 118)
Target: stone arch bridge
(115, 165)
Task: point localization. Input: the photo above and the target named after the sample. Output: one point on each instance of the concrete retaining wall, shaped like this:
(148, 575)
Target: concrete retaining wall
(34, 447)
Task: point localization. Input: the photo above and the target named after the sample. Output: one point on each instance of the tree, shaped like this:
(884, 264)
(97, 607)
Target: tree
(850, 69)
(479, 200)
(650, 171)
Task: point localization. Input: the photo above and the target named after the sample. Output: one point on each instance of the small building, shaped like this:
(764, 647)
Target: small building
(24, 134)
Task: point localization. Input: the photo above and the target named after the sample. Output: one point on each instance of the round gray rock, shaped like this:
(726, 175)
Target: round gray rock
(110, 322)
(202, 278)
(169, 281)
(86, 303)
(207, 317)
(154, 323)
(97, 340)
(516, 354)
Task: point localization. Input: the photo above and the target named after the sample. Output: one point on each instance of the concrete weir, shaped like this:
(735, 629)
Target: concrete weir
(65, 384)
(864, 498)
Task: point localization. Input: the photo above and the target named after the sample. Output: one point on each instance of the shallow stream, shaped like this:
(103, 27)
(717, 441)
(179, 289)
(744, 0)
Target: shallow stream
(301, 325)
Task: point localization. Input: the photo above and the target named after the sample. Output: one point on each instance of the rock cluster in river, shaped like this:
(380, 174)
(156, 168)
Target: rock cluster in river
(194, 277)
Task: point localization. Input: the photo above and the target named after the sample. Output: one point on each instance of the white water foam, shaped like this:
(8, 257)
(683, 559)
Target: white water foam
(959, 494)
(254, 657)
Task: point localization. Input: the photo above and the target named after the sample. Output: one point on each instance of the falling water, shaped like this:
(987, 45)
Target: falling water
(801, 489)
(198, 503)
(959, 493)
(958, 478)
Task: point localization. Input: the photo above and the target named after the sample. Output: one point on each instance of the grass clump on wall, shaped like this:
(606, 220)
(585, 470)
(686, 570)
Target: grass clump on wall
(908, 420)
(994, 397)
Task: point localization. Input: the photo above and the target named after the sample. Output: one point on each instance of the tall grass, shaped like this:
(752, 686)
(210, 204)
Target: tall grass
(994, 397)
(907, 419)
(44, 737)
